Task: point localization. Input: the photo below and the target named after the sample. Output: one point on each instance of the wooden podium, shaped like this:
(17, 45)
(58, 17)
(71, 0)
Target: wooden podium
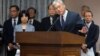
(49, 43)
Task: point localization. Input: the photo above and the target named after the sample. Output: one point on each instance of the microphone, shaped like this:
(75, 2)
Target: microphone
(53, 23)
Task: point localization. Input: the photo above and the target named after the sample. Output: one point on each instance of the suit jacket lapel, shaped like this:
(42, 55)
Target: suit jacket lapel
(90, 28)
(11, 23)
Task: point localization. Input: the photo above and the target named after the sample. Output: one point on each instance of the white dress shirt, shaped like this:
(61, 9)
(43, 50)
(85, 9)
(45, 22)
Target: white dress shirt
(88, 24)
(16, 19)
(31, 21)
(64, 15)
(51, 20)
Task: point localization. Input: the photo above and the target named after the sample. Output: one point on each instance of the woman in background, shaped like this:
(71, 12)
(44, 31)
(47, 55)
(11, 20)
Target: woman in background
(24, 26)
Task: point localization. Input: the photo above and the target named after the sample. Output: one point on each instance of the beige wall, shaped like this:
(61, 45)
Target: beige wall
(75, 5)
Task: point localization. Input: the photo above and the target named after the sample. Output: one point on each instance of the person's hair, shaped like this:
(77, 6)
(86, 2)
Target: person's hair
(58, 1)
(89, 12)
(31, 8)
(22, 13)
(17, 8)
(85, 6)
(51, 4)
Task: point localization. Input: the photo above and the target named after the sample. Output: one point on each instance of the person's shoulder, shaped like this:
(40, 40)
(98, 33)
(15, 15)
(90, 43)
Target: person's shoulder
(74, 13)
(17, 26)
(36, 21)
(45, 18)
(6, 22)
(1, 26)
(95, 25)
(29, 25)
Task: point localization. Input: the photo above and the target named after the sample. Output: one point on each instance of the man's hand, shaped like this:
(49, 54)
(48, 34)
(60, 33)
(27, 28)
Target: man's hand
(84, 48)
(83, 30)
(10, 46)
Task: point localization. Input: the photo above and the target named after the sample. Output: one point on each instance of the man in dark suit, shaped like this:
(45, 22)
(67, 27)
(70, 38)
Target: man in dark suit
(67, 19)
(8, 30)
(91, 31)
(32, 14)
(47, 22)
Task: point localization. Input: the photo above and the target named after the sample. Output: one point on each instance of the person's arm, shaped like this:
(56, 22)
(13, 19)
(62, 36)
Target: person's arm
(5, 31)
(78, 23)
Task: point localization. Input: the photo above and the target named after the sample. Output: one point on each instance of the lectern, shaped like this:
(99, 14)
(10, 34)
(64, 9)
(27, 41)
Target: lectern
(49, 43)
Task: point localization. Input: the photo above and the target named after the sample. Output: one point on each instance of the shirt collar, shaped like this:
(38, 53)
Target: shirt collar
(15, 18)
(51, 20)
(65, 15)
(89, 24)
(66, 12)
(31, 20)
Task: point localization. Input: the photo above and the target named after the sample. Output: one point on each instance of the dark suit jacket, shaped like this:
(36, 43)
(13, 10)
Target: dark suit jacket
(8, 31)
(46, 24)
(36, 24)
(71, 21)
(92, 35)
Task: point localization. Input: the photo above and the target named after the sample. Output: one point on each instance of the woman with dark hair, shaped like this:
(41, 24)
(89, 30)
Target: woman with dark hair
(24, 26)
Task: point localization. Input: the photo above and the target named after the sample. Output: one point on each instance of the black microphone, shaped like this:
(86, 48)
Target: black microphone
(53, 23)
